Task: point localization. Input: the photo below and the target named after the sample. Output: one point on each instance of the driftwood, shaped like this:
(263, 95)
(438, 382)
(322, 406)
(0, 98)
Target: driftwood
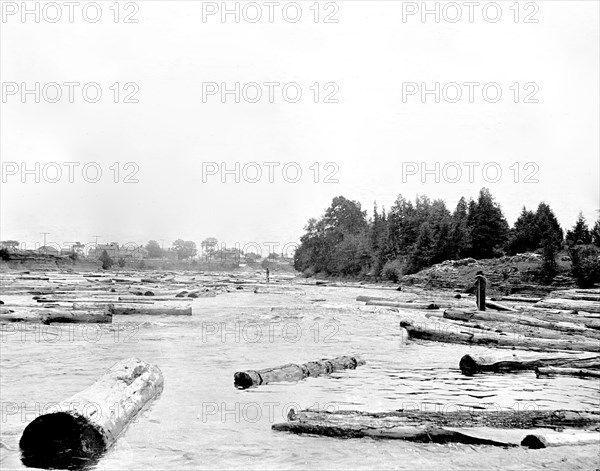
(56, 315)
(452, 333)
(577, 295)
(151, 311)
(403, 305)
(568, 371)
(517, 318)
(144, 299)
(519, 299)
(87, 424)
(482, 428)
(549, 438)
(472, 364)
(498, 306)
(570, 305)
(293, 372)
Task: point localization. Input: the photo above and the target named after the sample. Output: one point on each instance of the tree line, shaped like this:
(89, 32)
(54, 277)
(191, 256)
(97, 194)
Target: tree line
(412, 236)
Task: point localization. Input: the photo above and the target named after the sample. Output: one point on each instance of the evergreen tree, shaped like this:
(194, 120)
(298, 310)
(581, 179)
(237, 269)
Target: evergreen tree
(580, 234)
(596, 233)
(488, 226)
(523, 237)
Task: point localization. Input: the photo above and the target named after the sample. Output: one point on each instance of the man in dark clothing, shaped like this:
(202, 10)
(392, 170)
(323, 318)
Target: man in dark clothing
(480, 284)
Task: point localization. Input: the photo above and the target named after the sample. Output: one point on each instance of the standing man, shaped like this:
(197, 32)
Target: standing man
(480, 283)
(267, 271)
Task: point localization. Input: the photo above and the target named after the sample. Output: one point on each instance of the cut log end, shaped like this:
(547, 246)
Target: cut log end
(534, 442)
(468, 366)
(60, 440)
(246, 379)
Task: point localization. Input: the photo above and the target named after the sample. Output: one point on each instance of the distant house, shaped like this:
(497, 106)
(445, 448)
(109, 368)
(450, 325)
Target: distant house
(134, 252)
(48, 250)
(112, 250)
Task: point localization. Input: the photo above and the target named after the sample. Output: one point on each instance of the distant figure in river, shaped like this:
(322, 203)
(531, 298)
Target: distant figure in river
(480, 285)
(268, 272)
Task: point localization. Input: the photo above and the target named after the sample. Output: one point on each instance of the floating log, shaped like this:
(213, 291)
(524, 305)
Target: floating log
(452, 333)
(87, 424)
(576, 295)
(560, 371)
(469, 427)
(472, 364)
(151, 311)
(140, 299)
(364, 299)
(428, 306)
(472, 315)
(56, 315)
(293, 372)
(570, 305)
(498, 306)
(549, 438)
(520, 299)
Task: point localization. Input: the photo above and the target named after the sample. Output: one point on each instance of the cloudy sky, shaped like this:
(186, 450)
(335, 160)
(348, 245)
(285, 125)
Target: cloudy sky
(361, 127)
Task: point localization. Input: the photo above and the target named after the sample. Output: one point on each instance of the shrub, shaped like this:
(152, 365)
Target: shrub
(4, 254)
(585, 261)
(107, 262)
(393, 270)
(121, 262)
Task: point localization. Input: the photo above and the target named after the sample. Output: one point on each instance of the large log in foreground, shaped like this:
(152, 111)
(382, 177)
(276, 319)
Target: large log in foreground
(471, 364)
(452, 333)
(84, 426)
(293, 372)
(501, 428)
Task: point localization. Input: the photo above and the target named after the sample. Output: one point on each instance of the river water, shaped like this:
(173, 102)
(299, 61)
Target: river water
(201, 421)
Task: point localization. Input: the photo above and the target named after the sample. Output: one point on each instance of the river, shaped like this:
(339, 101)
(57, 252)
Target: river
(201, 421)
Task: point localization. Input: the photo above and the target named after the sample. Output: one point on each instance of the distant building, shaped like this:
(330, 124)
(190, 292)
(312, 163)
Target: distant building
(136, 252)
(112, 250)
(48, 250)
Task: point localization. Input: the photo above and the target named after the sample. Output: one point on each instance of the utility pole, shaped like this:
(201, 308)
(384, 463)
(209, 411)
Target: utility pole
(45, 234)
(96, 240)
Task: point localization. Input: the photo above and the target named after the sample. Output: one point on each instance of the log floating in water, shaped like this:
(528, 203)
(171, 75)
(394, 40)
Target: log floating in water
(452, 333)
(484, 428)
(549, 438)
(520, 299)
(403, 305)
(567, 371)
(570, 327)
(471, 364)
(56, 315)
(293, 372)
(570, 305)
(151, 311)
(498, 306)
(87, 424)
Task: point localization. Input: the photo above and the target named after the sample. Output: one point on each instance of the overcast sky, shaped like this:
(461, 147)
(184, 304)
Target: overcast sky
(374, 132)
